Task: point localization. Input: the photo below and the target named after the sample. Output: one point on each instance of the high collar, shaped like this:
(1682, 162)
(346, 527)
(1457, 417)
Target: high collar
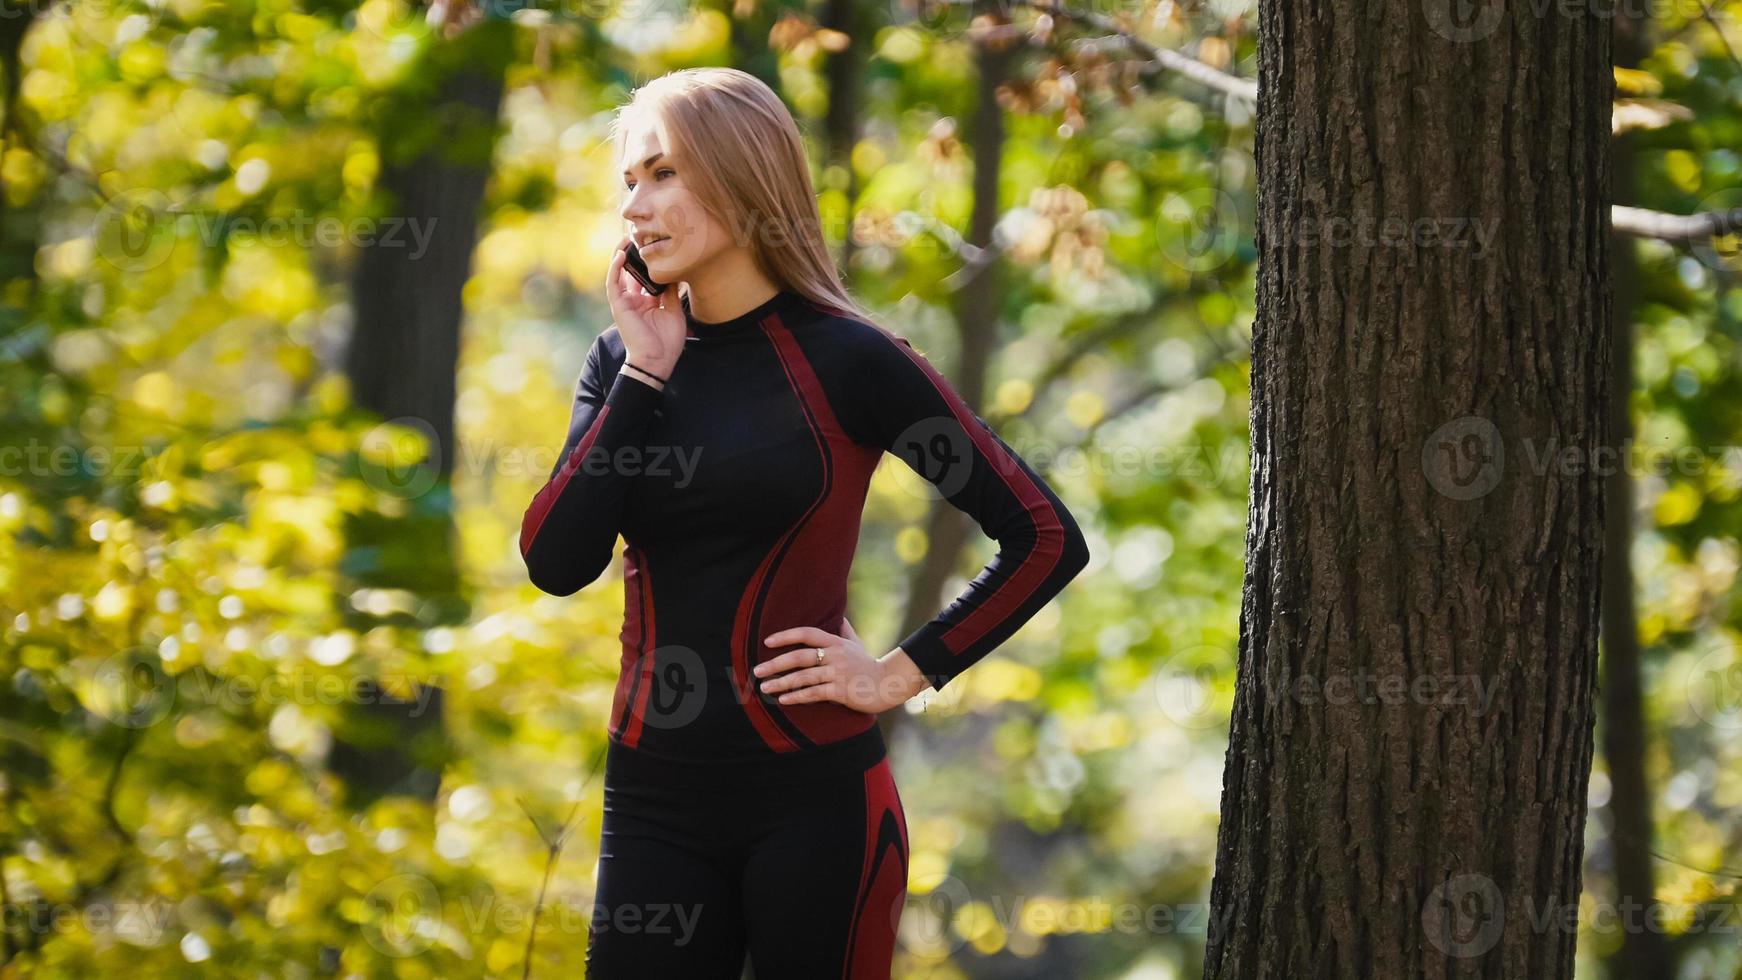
(786, 304)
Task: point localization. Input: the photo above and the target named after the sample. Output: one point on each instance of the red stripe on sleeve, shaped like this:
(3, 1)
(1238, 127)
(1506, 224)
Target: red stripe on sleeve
(1049, 532)
(547, 497)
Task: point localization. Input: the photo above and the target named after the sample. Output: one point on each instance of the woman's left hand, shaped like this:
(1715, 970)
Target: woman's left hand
(848, 674)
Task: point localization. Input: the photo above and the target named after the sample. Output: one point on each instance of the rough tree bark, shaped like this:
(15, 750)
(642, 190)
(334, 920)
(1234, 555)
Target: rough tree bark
(1404, 792)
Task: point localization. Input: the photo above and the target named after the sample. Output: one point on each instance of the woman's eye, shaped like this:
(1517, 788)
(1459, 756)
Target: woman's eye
(629, 185)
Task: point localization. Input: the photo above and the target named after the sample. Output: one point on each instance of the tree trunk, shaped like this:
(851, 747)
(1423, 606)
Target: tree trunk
(1404, 792)
(845, 71)
(1644, 952)
(749, 44)
(402, 360)
(20, 226)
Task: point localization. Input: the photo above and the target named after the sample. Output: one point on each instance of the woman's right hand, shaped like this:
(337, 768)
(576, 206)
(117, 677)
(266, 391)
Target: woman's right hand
(653, 330)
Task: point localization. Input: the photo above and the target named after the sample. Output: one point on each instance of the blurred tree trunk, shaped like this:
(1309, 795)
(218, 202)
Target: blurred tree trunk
(1643, 952)
(437, 137)
(976, 309)
(845, 71)
(20, 226)
(749, 42)
(1405, 783)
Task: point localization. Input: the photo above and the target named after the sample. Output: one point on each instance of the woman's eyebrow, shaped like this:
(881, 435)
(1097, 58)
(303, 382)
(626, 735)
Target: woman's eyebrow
(648, 162)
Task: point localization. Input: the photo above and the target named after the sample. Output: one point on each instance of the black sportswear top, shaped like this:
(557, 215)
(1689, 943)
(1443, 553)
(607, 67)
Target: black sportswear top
(738, 490)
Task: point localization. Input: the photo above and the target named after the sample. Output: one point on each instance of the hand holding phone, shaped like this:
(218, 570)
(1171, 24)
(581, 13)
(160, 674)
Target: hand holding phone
(653, 330)
(637, 267)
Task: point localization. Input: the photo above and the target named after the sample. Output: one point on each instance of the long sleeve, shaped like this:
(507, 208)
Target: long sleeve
(570, 530)
(905, 406)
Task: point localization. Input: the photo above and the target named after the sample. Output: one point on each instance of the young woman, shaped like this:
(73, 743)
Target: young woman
(728, 431)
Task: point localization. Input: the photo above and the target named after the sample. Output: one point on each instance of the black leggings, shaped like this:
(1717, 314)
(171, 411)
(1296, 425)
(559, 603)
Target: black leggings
(799, 860)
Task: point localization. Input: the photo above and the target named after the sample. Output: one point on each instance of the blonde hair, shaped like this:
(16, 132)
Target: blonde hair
(747, 167)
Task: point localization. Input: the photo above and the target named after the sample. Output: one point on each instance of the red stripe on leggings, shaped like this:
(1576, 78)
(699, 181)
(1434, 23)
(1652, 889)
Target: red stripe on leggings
(882, 880)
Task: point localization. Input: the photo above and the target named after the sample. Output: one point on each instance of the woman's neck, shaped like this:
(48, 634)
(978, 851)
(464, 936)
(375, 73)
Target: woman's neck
(729, 288)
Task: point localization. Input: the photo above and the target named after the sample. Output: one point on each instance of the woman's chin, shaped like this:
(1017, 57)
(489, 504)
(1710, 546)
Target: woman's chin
(664, 273)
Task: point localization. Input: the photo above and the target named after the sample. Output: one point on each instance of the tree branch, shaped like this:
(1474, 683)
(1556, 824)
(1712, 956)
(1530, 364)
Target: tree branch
(1156, 60)
(1635, 222)
(1682, 228)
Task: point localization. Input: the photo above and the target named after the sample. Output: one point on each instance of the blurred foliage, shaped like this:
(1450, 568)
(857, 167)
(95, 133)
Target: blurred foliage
(186, 185)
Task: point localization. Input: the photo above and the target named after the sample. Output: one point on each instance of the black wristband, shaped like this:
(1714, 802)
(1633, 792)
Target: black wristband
(646, 372)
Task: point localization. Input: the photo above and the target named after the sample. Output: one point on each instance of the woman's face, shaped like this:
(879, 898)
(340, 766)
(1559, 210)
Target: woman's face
(658, 204)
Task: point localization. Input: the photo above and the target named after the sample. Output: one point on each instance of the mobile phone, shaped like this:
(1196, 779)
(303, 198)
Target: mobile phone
(637, 267)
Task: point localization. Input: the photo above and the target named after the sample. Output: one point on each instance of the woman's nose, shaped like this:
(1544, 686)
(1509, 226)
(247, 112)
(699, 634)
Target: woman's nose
(634, 205)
